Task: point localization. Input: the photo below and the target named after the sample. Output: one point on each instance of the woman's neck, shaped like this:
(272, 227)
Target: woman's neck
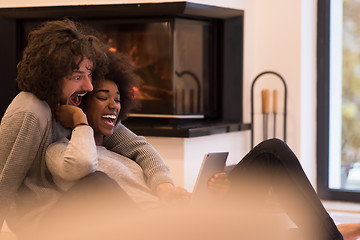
(99, 139)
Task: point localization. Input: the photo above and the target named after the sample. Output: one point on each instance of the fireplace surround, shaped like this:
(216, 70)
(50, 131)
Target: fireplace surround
(189, 58)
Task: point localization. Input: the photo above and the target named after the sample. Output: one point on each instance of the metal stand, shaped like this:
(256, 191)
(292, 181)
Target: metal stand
(252, 104)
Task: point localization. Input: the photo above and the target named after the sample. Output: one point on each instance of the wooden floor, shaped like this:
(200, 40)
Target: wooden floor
(341, 212)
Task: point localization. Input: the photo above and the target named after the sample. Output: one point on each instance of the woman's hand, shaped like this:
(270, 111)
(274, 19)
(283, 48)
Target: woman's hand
(219, 184)
(70, 116)
(169, 194)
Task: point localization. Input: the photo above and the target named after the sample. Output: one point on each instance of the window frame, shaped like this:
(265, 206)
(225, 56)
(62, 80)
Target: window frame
(323, 109)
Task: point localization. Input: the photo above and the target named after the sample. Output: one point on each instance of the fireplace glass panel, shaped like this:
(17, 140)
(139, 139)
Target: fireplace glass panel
(171, 59)
(190, 66)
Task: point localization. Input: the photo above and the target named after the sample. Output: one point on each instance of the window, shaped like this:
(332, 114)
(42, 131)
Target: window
(338, 97)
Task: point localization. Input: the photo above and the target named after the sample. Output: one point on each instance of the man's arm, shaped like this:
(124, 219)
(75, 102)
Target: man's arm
(128, 144)
(20, 138)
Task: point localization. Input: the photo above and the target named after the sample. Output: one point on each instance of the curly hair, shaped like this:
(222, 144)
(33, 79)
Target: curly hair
(54, 50)
(120, 71)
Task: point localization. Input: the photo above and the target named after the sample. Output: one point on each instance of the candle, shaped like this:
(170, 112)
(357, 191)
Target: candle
(265, 97)
(275, 110)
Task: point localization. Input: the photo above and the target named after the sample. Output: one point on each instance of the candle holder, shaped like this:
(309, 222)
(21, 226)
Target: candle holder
(265, 107)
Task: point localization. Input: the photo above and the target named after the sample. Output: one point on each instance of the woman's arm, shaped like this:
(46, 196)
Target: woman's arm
(128, 144)
(69, 161)
(74, 159)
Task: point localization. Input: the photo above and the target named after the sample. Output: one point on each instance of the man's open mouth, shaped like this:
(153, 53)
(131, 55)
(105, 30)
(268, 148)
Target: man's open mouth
(75, 99)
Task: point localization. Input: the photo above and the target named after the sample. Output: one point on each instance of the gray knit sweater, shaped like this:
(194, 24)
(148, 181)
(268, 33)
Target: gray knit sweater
(69, 161)
(26, 186)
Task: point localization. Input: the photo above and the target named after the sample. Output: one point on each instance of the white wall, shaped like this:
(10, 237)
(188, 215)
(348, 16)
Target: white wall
(185, 155)
(280, 35)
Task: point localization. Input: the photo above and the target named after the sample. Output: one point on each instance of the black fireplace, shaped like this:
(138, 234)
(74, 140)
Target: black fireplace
(188, 57)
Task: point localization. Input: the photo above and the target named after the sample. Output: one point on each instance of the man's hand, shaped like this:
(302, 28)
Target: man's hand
(70, 116)
(219, 184)
(168, 194)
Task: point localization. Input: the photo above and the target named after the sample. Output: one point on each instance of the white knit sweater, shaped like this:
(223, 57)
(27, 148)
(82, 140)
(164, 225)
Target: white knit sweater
(69, 161)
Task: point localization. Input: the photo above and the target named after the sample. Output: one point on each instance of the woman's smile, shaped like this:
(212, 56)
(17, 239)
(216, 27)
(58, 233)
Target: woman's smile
(109, 119)
(102, 109)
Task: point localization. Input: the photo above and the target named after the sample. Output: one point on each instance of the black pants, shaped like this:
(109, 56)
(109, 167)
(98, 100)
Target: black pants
(272, 165)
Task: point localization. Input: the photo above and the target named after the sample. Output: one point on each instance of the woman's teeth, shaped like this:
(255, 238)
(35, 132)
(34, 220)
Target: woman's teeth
(109, 118)
(113, 117)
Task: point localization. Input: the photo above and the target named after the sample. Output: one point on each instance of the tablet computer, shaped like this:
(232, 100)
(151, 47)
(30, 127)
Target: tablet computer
(214, 162)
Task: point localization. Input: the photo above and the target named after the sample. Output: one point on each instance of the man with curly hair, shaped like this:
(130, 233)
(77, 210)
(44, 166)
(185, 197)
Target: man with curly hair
(59, 66)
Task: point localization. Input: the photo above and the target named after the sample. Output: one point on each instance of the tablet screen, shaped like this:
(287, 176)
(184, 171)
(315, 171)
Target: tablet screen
(212, 163)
